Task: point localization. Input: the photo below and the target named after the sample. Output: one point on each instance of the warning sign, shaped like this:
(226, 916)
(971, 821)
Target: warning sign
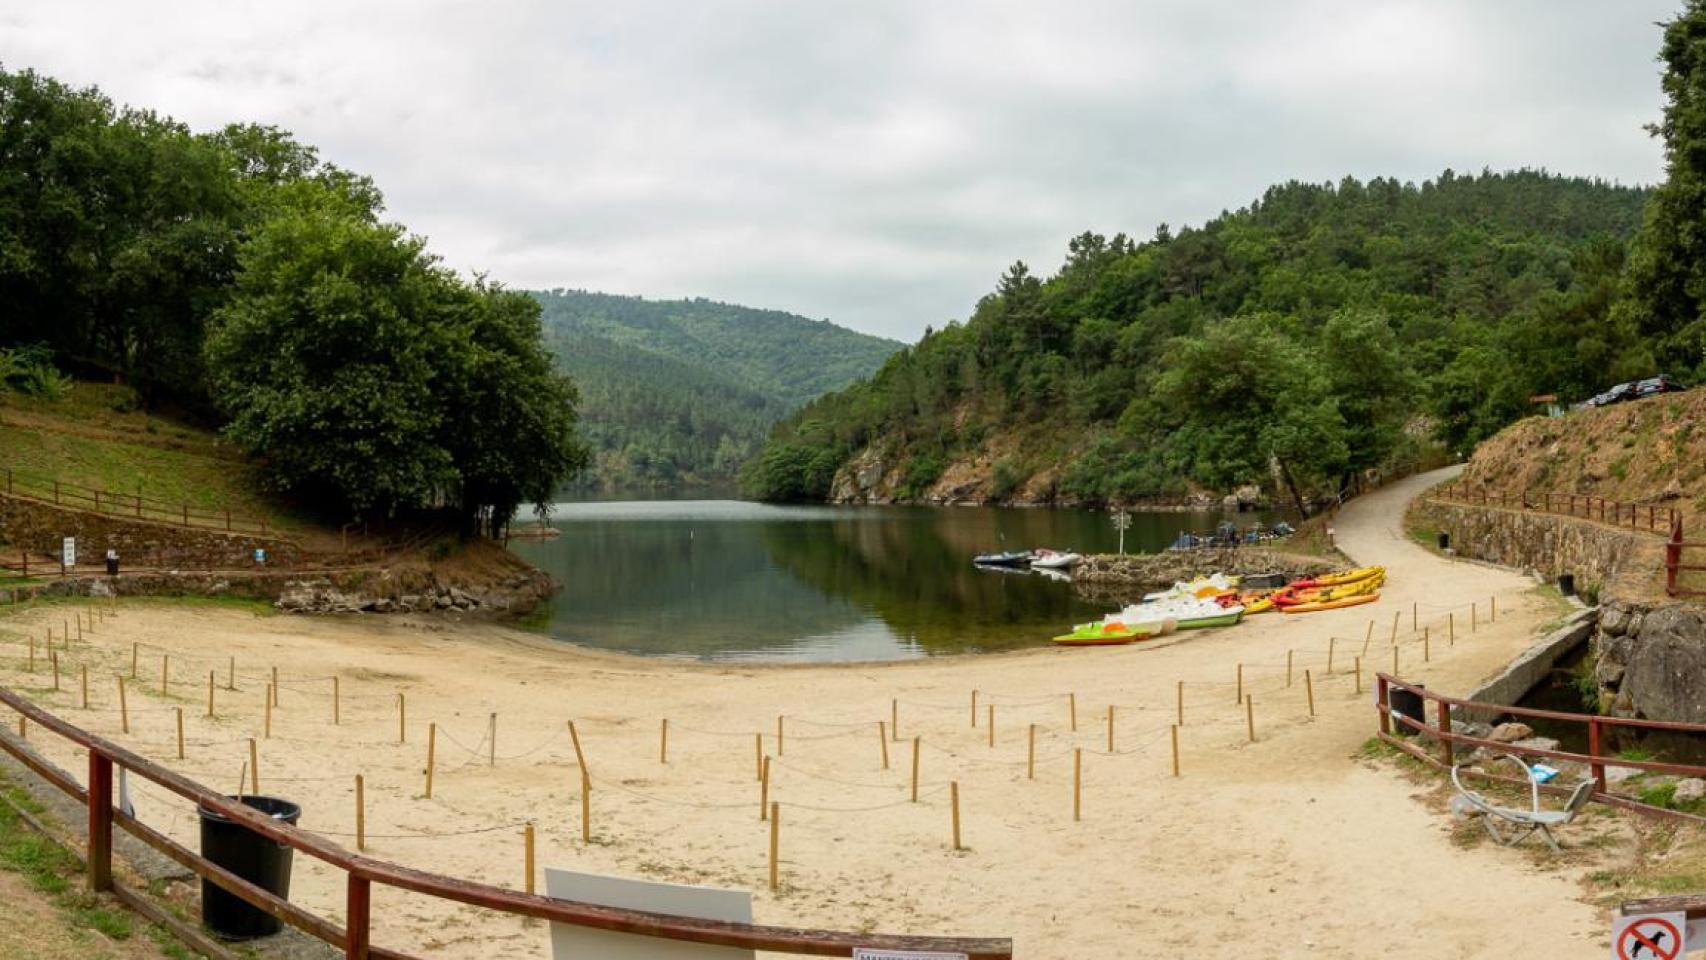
(1650, 936)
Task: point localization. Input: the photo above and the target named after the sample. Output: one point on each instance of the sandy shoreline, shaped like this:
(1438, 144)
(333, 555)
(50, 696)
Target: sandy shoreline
(1283, 847)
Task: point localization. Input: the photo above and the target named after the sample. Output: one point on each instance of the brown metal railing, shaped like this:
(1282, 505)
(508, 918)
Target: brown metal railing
(1596, 759)
(362, 871)
(130, 505)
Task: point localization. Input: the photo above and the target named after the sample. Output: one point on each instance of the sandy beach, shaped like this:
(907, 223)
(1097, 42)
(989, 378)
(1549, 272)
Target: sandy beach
(1285, 847)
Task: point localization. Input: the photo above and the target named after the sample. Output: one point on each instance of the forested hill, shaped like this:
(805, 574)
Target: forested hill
(684, 391)
(1320, 332)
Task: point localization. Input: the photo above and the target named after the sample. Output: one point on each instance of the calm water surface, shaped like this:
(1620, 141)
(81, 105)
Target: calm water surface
(730, 580)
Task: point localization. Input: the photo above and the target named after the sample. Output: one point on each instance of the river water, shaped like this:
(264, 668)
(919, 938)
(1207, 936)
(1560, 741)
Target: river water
(731, 580)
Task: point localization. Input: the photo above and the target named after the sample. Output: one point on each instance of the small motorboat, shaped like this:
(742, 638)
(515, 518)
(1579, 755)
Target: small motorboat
(1007, 559)
(1109, 632)
(1054, 559)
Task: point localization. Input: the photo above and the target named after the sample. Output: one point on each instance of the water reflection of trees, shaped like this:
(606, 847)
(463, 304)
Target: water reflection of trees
(675, 588)
(916, 573)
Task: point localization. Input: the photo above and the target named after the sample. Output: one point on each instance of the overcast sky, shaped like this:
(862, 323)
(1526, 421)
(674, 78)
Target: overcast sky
(875, 163)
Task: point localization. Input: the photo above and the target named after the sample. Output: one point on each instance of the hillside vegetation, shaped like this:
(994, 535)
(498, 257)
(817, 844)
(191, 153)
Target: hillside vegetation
(1321, 332)
(1647, 451)
(684, 391)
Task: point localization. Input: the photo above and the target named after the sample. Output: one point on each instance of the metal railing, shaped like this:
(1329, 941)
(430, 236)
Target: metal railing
(354, 939)
(1596, 759)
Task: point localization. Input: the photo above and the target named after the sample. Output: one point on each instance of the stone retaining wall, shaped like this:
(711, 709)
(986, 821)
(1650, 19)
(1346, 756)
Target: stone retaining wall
(40, 527)
(1607, 561)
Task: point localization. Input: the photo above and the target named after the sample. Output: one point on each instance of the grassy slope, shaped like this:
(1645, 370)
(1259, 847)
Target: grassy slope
(94, 438)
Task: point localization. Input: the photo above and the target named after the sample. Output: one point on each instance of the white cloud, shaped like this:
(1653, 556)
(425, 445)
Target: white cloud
(875, 163)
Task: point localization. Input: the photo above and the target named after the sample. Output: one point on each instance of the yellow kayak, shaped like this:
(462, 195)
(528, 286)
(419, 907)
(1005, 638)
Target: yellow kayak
(1317, 605)
(1257, 604)
(1349, 576)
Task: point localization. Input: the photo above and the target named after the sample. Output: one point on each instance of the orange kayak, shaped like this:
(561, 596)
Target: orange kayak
(1317, 605)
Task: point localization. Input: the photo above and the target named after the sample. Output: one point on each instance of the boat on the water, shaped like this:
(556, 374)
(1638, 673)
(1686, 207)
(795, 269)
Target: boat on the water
(1054, 559)
(1012, 558)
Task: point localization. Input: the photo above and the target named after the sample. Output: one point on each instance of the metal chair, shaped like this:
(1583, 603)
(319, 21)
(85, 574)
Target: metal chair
(1519, 823)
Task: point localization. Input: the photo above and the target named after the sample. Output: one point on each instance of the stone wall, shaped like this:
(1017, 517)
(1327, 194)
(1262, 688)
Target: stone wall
(1650, 660)
(1124, 579)
(40, 527)
(1606, 561)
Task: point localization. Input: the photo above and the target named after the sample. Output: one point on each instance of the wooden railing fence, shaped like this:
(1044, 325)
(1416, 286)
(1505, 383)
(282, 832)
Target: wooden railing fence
(362, 872)
(131, 505)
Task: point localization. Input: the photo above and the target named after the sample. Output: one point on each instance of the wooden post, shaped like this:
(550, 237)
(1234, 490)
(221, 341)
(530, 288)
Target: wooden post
(100, 822)
(123, 708)
(1330, 643)
(210, 693)
(894, 719)
(974, 708)
(84, 668)
(779, 751)
(79, 627)
(23, 727)
(432, 755)
(1472, 623)
(360, 814)
(254, 768)
(575, 738)
(758, 756)
(1445, 733)
(1180, 696)
(266, 708)
(1427, 647)
(134, 649)
(1414, 612)
(402, 718)
(1395, 661)
(1451, 629)
(775, 837)
(991, 721)
(764, 790)
(1598, 769)
(335, 701)
(358, 910)
(1359, 674)
(32, 653)
(954, 803)
(1031, 755)
(586, 806)
(883, 741)
(1367, 637)
(492, 740)
(1072, 710)
(1492, 609)
(1309, 692)
(53, 656)
(1175, 730)
(527, 839)
(165, 672)
(1394, 626)
(1250, 716)
(180, 732)
(231, 673)
(1288, 654)
(1110, 728)
(915, 741)
(1077, 784)
(1240, 690)
(663, 740)
(274, 686)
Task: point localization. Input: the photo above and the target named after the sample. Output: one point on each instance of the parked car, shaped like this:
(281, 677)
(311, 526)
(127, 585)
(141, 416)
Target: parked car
(1656, 385)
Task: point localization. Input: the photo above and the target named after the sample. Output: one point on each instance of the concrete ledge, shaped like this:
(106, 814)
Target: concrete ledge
(1531, 667)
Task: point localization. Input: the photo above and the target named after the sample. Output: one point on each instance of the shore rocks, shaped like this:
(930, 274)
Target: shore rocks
(1649, 660)
(1123, 579)
(1689, 791)
(1511, 732)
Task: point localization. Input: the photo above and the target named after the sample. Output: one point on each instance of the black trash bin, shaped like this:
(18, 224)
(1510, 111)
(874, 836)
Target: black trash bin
(1444, 540)
(1407, 703)
(112, 563)
(1567, 584)
(257, 859)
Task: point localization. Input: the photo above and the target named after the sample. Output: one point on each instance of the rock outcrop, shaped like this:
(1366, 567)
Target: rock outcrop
(1649, 658)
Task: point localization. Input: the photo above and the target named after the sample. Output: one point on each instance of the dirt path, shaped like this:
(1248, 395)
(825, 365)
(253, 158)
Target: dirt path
(1286, 847)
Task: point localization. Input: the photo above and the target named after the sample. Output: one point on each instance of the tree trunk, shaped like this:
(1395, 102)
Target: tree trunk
(1291, 484)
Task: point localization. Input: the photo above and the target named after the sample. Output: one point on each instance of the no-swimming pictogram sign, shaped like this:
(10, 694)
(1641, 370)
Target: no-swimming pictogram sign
(1650, 936)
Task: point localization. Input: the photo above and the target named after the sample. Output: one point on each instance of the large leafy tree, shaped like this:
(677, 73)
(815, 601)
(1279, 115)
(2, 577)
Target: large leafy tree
(1666, 277)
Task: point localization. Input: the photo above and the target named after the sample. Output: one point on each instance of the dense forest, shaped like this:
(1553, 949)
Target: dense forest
(1324, 330)
(678, 392)
(237, 277)
(1321, 333)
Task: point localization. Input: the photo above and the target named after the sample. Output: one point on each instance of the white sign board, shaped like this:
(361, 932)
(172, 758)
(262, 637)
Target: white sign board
(68, 552)
(866, 953)
(1649, 936)
(569, 942)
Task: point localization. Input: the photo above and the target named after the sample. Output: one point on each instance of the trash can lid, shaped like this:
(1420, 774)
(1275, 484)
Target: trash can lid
(272, 806)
